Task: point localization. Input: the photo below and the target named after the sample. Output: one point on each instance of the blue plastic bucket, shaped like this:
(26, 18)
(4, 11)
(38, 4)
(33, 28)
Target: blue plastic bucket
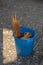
(24, 47)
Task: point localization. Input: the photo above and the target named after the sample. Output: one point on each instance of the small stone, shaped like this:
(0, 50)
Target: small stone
(12, 64)
(8, 55)
(18, 59)
(36, 63)
(14, 5)
(4, 32)
(14, 50)
(0, 28)
(8, 47)
(34, 56)
(37, 51)
(42, 38)
(9, 25)
(9, 51)
(19, 62)
(10, 31)
(7, 32)
(1, 23)
(21, 18)
(13, 44)
(4, 48)
(4, 42)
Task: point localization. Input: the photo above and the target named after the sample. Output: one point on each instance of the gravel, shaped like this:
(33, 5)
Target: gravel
(30, 14)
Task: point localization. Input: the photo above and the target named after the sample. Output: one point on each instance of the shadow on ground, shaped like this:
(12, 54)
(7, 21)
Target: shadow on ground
(1, 46)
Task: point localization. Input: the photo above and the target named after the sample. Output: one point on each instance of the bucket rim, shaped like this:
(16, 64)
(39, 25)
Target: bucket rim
(25, 39)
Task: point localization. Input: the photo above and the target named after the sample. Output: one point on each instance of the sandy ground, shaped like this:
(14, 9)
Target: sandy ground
(9, 50)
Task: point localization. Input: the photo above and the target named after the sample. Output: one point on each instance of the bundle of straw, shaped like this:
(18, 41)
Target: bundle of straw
(16, 29)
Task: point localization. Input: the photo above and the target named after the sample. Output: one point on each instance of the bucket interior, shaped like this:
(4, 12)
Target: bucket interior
(30, 30)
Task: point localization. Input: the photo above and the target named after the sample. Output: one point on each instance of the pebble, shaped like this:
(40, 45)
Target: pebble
(7, 32)
(12, 64)
(9, 51)
(4, 48)
(4, 42)
(13, 44)
(34, 56)
(10, 31)
(14, 5)
(12, 53)
(0, 28)
(14, 50)
(4, 32)
(8, 46)
(18, 59)
(37, 51)
(36, 63)
(42, 39)
(10, 26)
(21, 18)
(19, 62)
(7, 55)
(1, 23)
